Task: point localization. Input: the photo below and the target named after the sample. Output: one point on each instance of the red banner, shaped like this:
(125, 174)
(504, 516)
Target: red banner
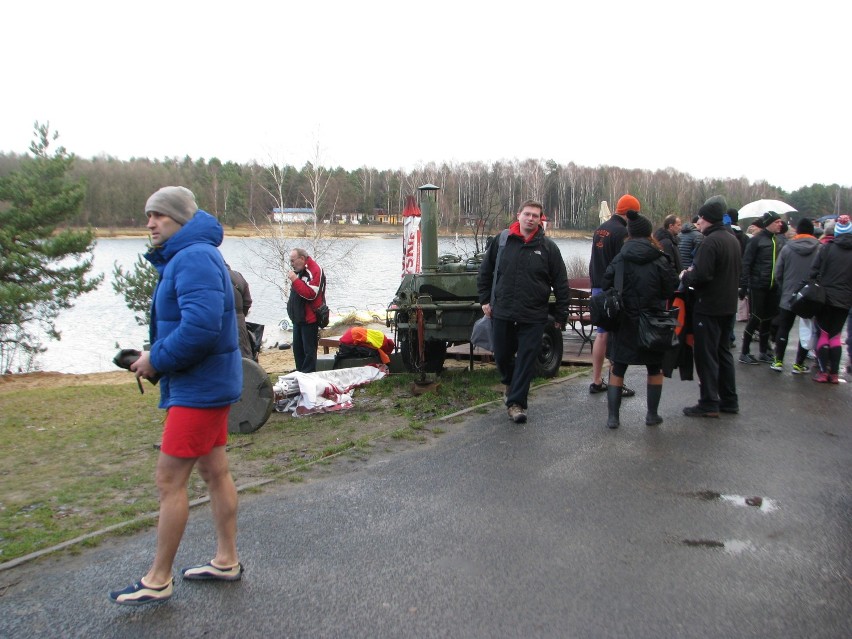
(410, 237)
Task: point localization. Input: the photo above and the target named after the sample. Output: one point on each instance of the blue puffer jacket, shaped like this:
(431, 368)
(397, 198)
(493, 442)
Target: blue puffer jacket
(193, 321)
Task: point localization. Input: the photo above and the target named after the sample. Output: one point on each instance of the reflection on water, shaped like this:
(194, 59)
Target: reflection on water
(100, 323)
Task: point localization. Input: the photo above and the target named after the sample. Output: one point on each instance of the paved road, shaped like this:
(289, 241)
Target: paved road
(559, 528)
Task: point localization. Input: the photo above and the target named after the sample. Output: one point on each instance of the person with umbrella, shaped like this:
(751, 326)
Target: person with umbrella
(758, 281)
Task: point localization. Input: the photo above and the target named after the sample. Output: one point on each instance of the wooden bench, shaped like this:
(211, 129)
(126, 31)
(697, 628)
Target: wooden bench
(329, 342)
(579, 311)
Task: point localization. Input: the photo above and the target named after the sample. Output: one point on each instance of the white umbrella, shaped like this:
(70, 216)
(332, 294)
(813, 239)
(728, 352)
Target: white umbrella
(759, 207)
(604, 214)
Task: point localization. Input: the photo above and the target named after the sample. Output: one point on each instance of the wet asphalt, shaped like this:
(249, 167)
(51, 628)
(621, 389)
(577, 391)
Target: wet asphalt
(732, 527)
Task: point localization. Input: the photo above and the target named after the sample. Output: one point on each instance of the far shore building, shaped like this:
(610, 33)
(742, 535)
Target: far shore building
(307, 216)
(289, 216)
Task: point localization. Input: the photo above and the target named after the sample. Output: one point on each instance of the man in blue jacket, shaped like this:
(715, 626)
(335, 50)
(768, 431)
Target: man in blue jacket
(195, 355)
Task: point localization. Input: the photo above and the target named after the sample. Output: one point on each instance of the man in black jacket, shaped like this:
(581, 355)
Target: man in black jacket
(714, 274)
(667, 236)
(758, 282)
(514, 283)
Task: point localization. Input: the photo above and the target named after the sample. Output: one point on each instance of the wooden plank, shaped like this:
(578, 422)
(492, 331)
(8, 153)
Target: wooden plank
(574, 351)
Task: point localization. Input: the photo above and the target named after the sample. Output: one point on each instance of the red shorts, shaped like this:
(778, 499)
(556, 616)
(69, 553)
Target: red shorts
(194, 432)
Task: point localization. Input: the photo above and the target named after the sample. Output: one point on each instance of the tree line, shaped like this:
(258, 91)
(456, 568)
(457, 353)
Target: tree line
(473, 195)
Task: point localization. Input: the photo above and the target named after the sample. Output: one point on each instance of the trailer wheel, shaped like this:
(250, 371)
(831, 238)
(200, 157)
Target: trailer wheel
(256, 401)
(550, 356)
(436, 353)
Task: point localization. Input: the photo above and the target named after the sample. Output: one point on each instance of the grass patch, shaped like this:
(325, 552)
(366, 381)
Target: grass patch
(80, 458)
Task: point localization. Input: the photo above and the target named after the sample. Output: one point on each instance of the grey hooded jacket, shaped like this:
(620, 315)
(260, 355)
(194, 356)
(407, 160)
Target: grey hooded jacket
(794, 265)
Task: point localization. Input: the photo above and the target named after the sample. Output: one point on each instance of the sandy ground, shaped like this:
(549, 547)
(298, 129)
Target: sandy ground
(273, 361)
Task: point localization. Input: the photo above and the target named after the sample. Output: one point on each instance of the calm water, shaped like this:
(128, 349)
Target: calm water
(100, 323)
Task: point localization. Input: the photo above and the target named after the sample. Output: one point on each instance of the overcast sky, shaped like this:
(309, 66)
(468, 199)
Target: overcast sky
(714, 89)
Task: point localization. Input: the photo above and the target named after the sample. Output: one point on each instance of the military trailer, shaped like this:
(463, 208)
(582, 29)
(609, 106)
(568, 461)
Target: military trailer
(437, 307)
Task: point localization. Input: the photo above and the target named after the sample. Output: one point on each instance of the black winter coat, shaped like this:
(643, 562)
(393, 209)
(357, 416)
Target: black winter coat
(649, 282)
(670, 244)
(759, 259)
(836, 279)
(715, 274)
(688, 242)
(607, 242)
(526, 274)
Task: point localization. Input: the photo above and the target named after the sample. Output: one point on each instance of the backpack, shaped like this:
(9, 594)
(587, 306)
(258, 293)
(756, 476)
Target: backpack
(606, 308)
(321, 312)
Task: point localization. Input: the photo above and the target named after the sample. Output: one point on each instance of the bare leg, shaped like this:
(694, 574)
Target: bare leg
(213, 468)
(172, 477)
(598, 356)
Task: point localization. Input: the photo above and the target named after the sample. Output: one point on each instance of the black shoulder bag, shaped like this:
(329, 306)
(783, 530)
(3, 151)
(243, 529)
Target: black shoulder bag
(658, 328)
(810, 298)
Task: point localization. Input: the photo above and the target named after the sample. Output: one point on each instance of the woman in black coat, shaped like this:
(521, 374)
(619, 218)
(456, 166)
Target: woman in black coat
(649, 282)
(833, 268)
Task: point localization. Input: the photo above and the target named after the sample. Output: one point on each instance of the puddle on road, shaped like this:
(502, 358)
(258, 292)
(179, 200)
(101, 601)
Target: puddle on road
(761, 503)
(731, 546)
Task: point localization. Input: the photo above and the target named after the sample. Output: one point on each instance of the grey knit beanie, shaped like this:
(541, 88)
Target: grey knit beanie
(177, 202)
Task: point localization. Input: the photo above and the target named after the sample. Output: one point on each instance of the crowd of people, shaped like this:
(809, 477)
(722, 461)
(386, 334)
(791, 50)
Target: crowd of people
(198, 331)
(723, 272)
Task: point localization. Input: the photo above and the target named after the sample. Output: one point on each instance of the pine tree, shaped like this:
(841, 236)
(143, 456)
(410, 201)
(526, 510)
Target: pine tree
(43, 268)
(137, 287)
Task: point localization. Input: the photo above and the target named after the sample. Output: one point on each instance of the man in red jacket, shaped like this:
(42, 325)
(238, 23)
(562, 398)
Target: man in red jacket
(307, 293)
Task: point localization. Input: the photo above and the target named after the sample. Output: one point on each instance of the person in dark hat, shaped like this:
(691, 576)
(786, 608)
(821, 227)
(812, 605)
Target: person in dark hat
(833, 268)
(649, 281)
(759, 283)
(606, 243)
(793, 267)
(714, 276)
(733, 223)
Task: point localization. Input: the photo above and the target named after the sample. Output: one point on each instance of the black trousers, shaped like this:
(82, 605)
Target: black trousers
(786, 319)
(714, 361)
(763, 305)
(516, 350)
(305, 340)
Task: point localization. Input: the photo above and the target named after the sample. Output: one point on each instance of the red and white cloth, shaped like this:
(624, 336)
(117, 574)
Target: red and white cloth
(327, 391)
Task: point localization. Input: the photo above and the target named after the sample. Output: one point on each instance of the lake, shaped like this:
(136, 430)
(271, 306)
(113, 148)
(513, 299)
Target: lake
(100, 322)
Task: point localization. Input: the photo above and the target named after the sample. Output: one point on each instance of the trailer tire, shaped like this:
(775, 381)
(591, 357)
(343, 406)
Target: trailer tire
(436, 353)
(550, 356)
(256, 401)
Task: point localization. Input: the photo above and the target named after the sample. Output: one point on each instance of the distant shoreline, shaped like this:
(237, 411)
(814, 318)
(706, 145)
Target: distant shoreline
(347, 230)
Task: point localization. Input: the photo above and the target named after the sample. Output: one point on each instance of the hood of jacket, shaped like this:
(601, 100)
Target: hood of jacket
(640, 252)
(844, 241)
(688, 227)
(803, 246)
(203, 228)
(662, 234)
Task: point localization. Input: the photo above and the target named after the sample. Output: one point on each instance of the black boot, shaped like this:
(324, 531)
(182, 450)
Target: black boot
(655, 391)
(613, 402)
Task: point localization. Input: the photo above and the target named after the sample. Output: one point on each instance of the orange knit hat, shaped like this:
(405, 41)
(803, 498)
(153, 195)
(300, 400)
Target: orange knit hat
(627, 203)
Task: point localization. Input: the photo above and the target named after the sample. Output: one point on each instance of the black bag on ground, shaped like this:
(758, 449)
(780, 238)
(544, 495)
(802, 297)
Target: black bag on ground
(808, 300)
(657, 329)
(607, 307)
(255, 335)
